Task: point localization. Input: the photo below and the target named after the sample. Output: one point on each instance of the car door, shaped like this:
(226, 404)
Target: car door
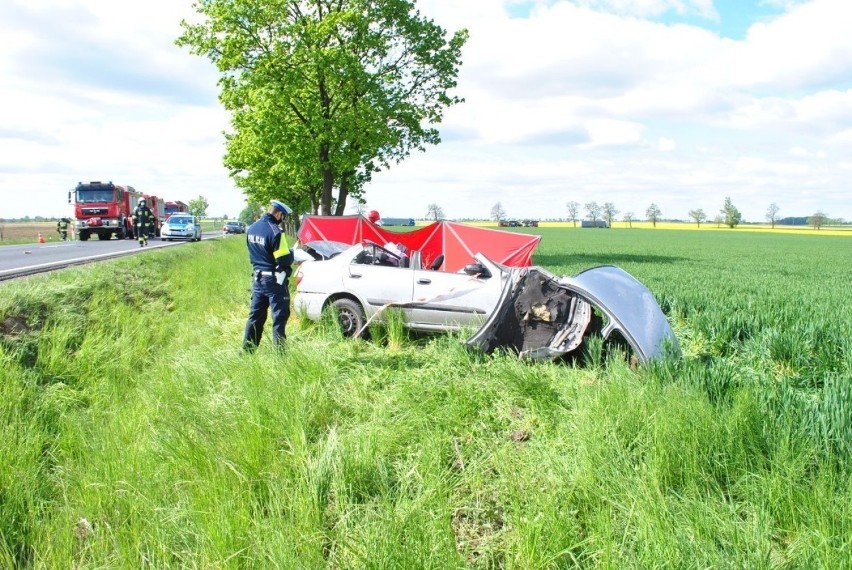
(379, 286)
(445, 300)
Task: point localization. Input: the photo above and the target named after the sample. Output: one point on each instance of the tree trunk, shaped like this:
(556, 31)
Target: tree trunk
(327, 187)
(342, 193)
(327, 181)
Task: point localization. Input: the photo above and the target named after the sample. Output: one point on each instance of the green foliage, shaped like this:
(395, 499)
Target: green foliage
(730, 215)
(198, 206)
(251, 212)
(323, 94)
(138, 434)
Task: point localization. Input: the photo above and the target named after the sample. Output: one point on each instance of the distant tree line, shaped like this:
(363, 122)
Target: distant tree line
(729, 215)
(31, 219)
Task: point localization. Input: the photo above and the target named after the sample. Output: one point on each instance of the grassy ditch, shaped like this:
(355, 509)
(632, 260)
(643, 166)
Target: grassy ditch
(137, 433)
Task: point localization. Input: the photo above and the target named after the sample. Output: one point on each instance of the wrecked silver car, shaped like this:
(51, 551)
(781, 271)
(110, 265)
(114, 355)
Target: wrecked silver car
(523, 309)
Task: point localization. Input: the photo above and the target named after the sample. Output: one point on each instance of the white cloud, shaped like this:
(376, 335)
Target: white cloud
(604, 132)
(666, 145)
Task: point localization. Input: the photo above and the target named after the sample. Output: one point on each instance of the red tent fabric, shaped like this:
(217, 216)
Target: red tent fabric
(345, 229)
(457, 242)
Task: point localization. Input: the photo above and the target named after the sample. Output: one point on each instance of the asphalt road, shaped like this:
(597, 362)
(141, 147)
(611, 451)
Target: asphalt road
(20, 260)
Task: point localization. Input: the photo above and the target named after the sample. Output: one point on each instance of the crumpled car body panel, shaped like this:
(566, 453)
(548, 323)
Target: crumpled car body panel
(541, 316)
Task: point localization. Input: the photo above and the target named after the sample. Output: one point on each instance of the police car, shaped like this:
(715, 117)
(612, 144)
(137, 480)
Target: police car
(181, 226)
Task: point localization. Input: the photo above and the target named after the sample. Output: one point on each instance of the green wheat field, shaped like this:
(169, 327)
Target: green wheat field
(137, 434)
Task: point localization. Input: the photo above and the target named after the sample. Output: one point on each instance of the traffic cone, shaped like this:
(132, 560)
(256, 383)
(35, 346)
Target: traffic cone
(40, 238)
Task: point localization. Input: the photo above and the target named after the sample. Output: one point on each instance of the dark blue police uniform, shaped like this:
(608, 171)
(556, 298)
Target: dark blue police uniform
(272, 260)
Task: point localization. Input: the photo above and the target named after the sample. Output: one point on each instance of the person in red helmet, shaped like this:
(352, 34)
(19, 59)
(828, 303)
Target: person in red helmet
(374, 217)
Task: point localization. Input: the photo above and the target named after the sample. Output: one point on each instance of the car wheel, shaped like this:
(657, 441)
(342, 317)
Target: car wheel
(350, 316)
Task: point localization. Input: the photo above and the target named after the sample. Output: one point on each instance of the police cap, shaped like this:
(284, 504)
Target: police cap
(281, 206)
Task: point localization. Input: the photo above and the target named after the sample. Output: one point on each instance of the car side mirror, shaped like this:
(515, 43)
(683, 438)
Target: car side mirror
(478, 270)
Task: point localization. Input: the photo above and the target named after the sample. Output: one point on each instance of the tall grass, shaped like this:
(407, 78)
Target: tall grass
(138, 434)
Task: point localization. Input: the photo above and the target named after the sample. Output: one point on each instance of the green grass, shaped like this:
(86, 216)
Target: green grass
(137, 433)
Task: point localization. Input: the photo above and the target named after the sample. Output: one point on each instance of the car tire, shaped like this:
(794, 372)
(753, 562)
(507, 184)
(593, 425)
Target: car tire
(350, 317)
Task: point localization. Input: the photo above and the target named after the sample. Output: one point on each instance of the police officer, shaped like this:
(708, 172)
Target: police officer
(62, 228)
(143, 222)
(272, 261)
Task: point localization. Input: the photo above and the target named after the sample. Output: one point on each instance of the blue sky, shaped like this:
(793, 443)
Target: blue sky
(674, 102)
(727, 18)
(734, 17)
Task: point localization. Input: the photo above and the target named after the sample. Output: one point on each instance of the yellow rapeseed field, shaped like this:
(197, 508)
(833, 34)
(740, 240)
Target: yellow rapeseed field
(705, 226)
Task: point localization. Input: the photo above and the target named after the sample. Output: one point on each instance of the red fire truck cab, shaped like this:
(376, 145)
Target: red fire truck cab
(106, 209)
(176, 207)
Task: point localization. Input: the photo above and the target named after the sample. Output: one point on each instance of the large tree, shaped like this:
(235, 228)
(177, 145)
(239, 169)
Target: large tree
(730, 214)
(198, 206)
(435, 212)
(772, 214)
(609, 212)
(573, 211)
(697, 216)
(817, 220)
(497, 212)
(323, 93)
(653, 212)
(593, 211)
(251, 212)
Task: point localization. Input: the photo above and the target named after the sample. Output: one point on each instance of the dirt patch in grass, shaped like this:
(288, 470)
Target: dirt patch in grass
(14, 326)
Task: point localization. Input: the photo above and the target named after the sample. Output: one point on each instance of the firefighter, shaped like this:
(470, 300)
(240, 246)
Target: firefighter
(143, 222)
(272, 262)
(62, 228)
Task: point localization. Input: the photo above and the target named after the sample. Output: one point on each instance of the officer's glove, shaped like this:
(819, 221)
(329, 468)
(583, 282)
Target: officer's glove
(281, 278)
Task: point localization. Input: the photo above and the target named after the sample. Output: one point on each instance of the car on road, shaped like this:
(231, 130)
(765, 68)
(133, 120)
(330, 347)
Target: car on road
(525, 309)
(234, 228)
(181, 226)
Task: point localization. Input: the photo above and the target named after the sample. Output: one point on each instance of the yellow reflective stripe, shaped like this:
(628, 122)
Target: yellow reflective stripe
(284, 249)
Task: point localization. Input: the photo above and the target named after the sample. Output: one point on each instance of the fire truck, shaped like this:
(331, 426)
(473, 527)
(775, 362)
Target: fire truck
(175, 208)
(170, 208)
(105, 209)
